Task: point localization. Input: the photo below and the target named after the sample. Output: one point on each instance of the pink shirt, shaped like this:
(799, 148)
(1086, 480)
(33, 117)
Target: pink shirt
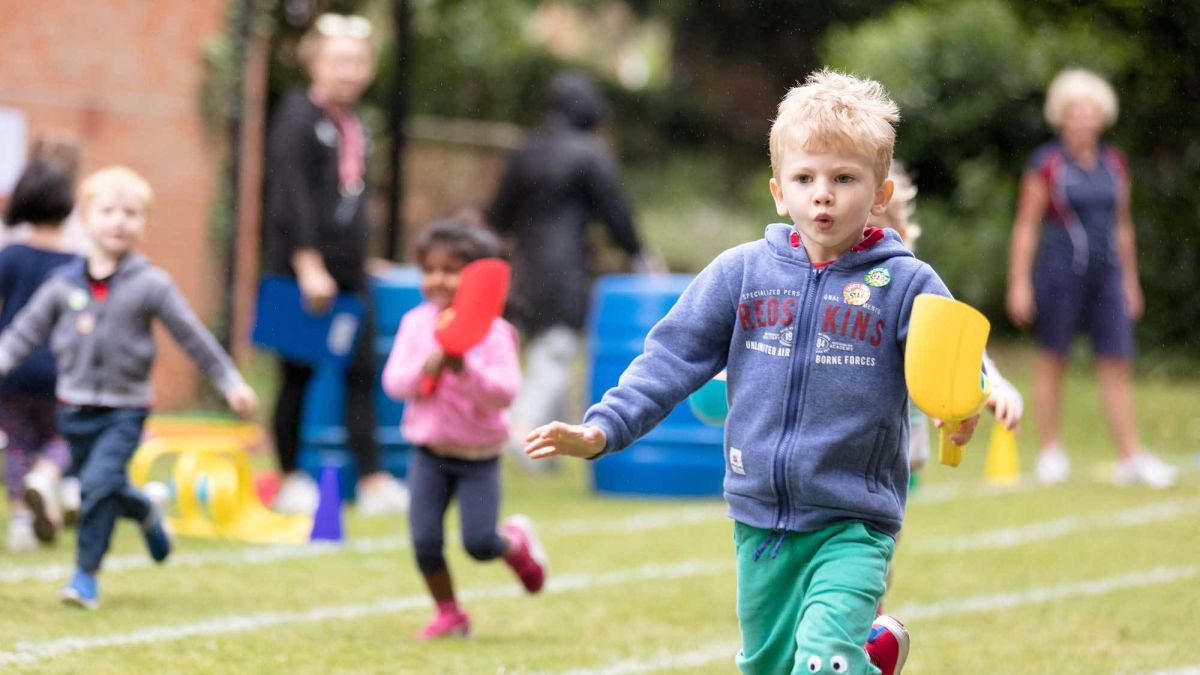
(466, 417)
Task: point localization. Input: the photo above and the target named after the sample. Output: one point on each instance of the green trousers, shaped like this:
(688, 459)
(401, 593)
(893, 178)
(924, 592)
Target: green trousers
(805, 601)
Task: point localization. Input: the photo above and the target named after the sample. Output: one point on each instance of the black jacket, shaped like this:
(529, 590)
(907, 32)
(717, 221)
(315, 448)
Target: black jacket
(552, 188)
(303, 206)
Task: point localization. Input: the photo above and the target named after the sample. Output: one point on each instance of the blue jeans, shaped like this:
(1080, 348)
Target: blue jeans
(102, 441)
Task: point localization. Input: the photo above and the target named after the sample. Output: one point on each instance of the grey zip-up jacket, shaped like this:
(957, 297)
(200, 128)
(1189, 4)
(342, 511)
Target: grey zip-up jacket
(104, 349)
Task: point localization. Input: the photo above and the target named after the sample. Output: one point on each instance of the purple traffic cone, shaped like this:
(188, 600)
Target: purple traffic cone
(327, 522)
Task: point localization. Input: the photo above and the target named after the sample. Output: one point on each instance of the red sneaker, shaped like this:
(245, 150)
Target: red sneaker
(887, 645)
(446, 624)
(527, 557)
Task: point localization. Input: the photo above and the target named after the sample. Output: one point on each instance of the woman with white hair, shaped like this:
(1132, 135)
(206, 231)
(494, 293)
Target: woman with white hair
(1073, 268)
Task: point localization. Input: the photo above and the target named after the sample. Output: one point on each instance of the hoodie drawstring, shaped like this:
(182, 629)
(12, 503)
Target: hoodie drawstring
(777, 536)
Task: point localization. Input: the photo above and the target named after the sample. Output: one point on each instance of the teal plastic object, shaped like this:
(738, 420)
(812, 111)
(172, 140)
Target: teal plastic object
(709, 403)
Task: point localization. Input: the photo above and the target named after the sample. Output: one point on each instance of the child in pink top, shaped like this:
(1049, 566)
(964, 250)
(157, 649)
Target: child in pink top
(458, 431)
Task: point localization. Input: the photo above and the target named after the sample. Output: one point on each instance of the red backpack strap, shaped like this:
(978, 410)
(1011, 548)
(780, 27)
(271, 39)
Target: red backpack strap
(1050, 169)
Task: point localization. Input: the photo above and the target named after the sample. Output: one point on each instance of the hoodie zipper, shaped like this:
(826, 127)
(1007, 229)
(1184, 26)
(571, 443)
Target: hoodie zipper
(795, 383)
(97, 361)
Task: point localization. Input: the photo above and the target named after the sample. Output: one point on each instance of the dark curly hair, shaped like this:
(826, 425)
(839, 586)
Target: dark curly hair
(44, 194)
(461, 238)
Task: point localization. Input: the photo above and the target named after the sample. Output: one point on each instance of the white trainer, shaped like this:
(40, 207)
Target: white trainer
(20, 533)
(41, 496)
(1053, 467)
(298, 493)
(381, 497)
(1147, 469)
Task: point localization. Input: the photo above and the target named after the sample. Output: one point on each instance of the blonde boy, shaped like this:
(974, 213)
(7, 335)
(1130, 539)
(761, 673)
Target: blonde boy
(810, 322)
(96, 315)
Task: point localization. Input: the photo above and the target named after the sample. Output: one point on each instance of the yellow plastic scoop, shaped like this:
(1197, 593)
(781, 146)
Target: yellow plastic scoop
(943, 365)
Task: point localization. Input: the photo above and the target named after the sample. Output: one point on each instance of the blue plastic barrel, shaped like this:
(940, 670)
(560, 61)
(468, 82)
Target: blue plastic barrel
(323, 432)
(682, 456)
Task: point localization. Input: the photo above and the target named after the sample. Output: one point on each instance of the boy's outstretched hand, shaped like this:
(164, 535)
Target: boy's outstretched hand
(558, 438)
(242, 400)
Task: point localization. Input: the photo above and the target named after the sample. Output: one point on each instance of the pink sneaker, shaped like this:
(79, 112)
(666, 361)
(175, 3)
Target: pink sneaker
(446, 624)
(527, 557)
(887, 645)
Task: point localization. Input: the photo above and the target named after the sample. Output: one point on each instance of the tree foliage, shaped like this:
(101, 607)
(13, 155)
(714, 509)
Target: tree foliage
(970, 79)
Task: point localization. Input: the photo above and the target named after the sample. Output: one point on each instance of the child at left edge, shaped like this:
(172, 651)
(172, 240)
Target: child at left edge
(816, 313)
(96, 315)
(459, 430)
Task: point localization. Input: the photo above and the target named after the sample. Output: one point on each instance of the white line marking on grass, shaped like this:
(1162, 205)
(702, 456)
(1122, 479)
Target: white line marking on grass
(1194, 670)
(1040, 596)
(656, 520)
(659, 519)
(971, 605)
(939, 493)
(30, 652)
(642, 522)
(665, 660)
(241, 556)
(1009, 537)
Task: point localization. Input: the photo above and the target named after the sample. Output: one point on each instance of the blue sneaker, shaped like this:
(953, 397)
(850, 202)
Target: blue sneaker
(83, 591)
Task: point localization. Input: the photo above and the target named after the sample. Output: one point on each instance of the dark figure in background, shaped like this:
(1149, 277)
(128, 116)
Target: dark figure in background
(555, 184)
(316, 228)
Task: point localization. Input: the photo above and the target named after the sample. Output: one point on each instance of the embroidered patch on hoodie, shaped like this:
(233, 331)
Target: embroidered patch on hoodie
(735, 461)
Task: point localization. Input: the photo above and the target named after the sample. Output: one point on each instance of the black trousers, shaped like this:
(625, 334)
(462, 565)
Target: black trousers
(432, 482)
(360, 378)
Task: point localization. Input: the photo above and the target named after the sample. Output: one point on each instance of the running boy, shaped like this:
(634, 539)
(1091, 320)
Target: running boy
(815, 315)
(96, 316)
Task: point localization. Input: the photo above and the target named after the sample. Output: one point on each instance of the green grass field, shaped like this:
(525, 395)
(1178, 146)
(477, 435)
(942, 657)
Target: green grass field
(1085, 578)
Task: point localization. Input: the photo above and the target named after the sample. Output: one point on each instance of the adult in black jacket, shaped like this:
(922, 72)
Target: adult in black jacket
(316, 228)
(555, 184)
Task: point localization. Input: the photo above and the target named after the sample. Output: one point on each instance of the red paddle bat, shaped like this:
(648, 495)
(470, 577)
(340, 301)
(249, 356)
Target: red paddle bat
(482, 291)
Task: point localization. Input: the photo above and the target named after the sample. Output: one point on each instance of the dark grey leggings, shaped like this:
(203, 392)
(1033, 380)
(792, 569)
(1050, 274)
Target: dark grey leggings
(432, 481)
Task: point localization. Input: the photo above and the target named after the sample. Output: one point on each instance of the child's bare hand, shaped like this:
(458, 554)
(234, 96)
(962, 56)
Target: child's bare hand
(962, 435)
(242, 400)
(1006, 404)
(433, 364)
(572, 440)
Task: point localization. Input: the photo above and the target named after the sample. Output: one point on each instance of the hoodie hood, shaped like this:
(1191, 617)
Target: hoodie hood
(133, 263)
(575, 98)
(779, 241)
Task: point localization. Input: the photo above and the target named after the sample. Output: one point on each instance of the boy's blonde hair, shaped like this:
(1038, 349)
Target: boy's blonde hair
(899, 212)
(112, 179)
(835, 111)
(1075, 84)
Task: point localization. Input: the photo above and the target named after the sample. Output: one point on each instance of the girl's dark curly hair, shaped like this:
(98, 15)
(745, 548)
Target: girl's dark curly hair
(461, 238)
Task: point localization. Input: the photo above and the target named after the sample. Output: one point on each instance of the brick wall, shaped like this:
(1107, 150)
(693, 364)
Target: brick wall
(122, 78)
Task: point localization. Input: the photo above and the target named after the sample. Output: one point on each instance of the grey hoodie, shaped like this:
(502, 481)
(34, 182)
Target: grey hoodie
(817, 431)
(104, 349)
